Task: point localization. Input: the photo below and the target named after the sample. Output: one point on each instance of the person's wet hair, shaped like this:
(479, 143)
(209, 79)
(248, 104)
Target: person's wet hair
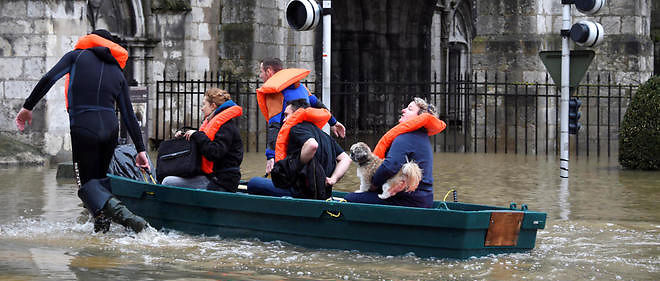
(425, 107)
(273, 63)
(217, 96)
(299, 103)
(105, 34)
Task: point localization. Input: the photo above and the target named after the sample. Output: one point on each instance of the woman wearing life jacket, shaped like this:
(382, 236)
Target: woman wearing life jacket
(96, 84)
(219, 142)
(408, 141)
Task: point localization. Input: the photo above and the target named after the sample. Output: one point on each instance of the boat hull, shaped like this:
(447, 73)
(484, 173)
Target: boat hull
(452, 230)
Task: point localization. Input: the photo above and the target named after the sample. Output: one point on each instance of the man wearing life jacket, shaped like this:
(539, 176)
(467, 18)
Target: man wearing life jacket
(219, 142)
(272, 103)
(96, 83)
(408, 141)
(301, 143)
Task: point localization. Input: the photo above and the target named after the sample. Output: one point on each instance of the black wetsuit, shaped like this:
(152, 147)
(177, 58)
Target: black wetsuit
(96, 83)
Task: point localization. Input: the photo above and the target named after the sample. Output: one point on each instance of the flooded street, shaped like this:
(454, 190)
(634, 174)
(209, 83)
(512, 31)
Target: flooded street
(603, 224)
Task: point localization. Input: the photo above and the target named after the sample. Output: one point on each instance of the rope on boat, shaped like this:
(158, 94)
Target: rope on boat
(338, 214)
(447, 194)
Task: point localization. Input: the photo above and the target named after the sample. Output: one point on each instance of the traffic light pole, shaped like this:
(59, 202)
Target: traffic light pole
(565, 95)
(327, 23)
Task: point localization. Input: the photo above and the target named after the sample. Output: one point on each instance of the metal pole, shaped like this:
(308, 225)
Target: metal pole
(327, 21)
(565, 62)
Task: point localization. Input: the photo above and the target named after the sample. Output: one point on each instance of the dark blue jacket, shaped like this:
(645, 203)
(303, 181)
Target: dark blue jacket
(416, 146)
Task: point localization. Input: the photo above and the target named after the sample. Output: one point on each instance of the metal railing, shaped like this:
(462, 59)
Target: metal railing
(485, 113)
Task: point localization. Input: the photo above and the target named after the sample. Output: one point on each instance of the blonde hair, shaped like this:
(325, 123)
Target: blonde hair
(425, 107)
(217, 96)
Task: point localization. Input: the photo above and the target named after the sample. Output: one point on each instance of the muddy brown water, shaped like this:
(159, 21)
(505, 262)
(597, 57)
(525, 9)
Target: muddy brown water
(603, 224)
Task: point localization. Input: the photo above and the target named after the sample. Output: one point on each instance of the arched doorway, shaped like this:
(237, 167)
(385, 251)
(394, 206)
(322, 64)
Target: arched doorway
(379, 47)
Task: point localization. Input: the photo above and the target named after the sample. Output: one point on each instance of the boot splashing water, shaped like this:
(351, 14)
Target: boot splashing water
(101, 223)
(118, 213)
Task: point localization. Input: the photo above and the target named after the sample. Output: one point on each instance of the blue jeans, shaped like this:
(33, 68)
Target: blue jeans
(419, 198)
(198, 182)
(264, 186)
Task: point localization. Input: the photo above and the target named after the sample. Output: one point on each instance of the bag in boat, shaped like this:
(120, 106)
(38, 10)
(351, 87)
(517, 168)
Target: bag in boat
(178, 157)
(303, 180)
(123, 163)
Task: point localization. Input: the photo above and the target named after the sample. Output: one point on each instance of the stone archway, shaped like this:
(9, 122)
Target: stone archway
(375, 42)
(384, 40)
(461, 33)
(123, 17)
(126, 19)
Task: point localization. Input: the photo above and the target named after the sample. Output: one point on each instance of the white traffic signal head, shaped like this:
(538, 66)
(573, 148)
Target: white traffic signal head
(303, 14)
(589, 7)
(587, 33)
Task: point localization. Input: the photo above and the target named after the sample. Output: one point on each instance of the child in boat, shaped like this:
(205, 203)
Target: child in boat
(408, 141)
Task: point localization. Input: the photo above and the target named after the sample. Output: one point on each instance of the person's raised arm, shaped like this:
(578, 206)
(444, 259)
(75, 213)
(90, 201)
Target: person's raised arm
(62, 67)
(335, 126)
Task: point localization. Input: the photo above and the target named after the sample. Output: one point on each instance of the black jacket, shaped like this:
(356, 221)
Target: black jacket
(303, 180)
(226, 152)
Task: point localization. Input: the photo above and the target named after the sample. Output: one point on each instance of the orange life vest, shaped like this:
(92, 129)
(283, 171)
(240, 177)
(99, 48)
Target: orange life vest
(318, 116)
(212, 127)
(269, 95)
(432, 124)
(93, 40)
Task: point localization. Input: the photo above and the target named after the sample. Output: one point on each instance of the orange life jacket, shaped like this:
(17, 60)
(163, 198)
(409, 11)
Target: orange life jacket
(93, 40)
(318, 116)
(432, 124)
(212, 127)
(269, 95)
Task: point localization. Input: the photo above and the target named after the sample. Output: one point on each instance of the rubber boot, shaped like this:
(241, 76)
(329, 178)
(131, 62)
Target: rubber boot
(118, 213)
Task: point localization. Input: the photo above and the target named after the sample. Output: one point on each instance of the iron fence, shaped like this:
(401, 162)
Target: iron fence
(485, 113)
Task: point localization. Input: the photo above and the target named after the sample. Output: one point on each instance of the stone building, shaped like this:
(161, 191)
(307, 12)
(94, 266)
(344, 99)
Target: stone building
(384, 40)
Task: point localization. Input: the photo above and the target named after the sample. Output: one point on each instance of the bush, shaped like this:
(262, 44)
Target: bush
(639, 142)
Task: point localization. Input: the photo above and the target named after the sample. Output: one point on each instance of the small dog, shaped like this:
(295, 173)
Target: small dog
(407, 178)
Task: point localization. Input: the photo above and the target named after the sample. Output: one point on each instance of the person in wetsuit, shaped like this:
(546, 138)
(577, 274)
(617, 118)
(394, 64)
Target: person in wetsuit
(96, 83)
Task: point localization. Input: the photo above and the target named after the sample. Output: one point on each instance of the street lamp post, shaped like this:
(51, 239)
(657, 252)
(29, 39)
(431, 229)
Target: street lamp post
(303, 15)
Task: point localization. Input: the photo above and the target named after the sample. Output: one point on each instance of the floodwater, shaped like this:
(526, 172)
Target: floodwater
(603, 224)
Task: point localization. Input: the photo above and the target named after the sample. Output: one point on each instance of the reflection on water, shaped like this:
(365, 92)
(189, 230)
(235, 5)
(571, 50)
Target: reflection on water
(603, 224)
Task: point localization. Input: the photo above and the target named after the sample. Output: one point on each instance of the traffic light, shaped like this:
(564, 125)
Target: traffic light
(303, 15)
(574, 115)
(585, 32)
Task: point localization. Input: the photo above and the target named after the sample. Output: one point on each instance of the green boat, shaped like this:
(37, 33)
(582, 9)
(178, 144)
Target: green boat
(449, 230)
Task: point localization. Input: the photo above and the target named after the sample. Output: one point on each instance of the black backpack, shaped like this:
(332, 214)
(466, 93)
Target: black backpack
(178, 157)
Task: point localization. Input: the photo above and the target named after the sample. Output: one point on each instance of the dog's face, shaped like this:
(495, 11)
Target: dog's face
(360, 152)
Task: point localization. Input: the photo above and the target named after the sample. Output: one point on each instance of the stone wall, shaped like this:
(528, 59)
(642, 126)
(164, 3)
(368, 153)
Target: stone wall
(252, 30)
(511, 33)
(230, 37)
(655, 35)
(35, 34)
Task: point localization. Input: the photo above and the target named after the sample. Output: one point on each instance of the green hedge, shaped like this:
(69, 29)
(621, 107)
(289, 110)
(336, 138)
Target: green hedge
(639, 143)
